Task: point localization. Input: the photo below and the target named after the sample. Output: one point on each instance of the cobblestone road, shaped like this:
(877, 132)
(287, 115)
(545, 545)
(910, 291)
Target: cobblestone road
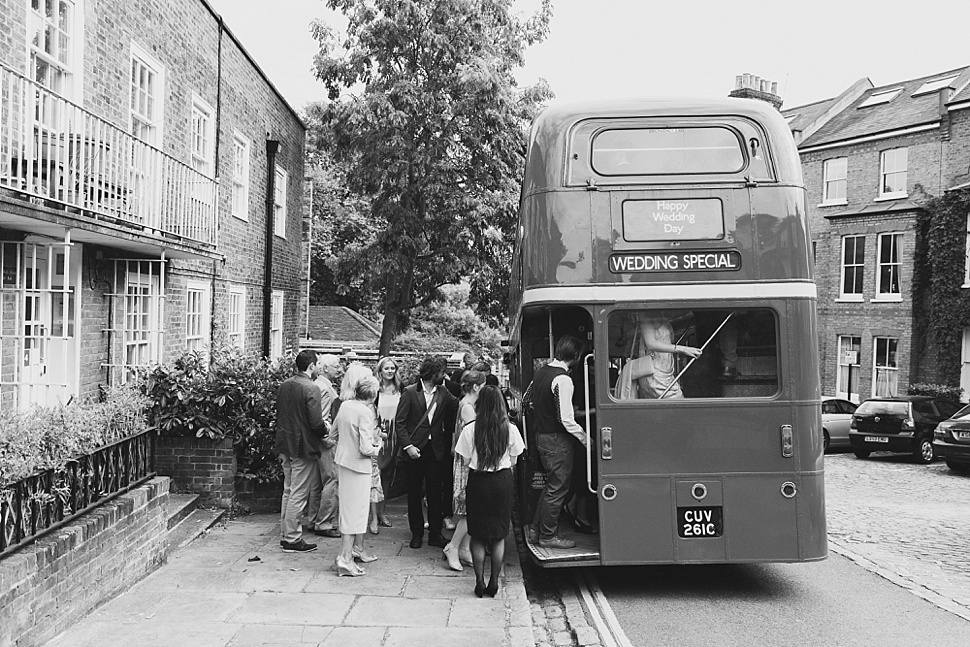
(904, 521)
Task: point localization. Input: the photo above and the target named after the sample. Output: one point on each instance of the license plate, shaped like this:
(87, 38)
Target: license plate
(961, 435)
(876, 439)
(694, 523)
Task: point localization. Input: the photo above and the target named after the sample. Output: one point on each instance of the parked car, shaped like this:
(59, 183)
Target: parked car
(902, 424)
(836, 416)
(951, 440)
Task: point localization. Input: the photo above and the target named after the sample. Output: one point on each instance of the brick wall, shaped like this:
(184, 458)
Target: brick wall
(51, 584)
(198, 465)
(870, 318)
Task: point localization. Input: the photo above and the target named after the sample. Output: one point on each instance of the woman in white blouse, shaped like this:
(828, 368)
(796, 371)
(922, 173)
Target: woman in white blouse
(490, 446)
(358, 439)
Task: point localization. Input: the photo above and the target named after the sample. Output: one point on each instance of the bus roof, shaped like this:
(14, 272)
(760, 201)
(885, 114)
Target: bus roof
(551, 130)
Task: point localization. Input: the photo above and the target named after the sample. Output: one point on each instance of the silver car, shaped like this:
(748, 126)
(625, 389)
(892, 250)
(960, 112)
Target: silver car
(836, 416)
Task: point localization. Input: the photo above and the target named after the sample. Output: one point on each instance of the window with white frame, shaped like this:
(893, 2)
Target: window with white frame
(240, 176)
(887, 272)
(834, 175)
(853, 267)
(141, 314)
(197, 309)
(146, 88)
(892, 173)
(54, 41)
(279, 203)
(276, 325)
(236, 324)
(202, 136)
(847, 378)
(885, 377)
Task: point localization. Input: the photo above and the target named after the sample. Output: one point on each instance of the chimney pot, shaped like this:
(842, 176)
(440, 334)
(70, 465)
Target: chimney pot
(747, 80)
(774, 88)
(738, 80)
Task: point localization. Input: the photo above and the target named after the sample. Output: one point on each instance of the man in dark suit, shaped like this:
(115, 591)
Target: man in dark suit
(425, 421)
(299, 431)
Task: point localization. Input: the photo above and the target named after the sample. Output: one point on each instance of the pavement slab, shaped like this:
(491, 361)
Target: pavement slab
(234, 587)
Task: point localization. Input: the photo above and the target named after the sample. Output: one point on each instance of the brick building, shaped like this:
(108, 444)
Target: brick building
(871, 159)
(151, 189)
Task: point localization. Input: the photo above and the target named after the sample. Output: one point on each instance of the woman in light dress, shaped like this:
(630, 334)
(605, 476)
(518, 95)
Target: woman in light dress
(652, 370)
(388, 397)
(458, 549)
(357, 432)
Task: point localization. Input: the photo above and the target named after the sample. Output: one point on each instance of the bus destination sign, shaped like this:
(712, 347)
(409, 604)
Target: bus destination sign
(673, 219)
(727, 261)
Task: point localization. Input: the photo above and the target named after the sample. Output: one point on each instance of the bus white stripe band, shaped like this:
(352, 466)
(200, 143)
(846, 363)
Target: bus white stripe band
(682, 292)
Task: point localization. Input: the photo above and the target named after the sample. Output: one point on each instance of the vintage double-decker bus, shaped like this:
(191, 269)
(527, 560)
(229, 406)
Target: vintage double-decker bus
(671, 238)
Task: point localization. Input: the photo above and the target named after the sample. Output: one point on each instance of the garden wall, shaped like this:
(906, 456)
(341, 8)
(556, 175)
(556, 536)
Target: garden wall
(200, 466)
(48, 586)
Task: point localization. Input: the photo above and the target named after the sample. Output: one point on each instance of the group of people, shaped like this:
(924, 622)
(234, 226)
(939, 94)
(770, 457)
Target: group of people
(339, 451)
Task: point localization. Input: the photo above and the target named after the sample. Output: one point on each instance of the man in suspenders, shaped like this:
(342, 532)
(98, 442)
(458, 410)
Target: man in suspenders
(556, 435)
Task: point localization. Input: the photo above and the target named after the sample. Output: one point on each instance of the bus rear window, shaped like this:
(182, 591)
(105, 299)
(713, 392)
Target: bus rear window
(667, 151)
(698, 353)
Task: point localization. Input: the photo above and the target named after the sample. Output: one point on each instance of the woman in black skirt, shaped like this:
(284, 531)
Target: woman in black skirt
(489, 445)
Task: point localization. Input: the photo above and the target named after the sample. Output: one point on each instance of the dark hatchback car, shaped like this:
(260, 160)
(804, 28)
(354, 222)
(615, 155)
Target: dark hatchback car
(951, 440)
(902, 424)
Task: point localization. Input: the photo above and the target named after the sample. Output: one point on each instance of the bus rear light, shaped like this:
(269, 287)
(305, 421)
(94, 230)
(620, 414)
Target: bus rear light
(788, 490)
(787, 445)
(606, 443)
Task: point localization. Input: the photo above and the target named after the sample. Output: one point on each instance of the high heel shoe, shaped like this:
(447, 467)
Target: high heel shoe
(451, 555)
(347, 570)
(364, 557)
(373, 528)
(383, 521)
(465, 557)
(479, 589)
(491, 589)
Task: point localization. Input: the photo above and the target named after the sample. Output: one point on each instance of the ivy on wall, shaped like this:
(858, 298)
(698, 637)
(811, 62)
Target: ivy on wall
(940, 263)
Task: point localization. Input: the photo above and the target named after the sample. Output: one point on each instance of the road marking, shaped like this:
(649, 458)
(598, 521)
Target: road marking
(600, 610)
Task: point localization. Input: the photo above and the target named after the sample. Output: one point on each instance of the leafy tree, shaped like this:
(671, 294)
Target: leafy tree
(342, 230)
(434, 138)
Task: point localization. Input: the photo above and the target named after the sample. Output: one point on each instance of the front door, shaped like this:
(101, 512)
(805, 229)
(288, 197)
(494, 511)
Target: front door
(39, 341)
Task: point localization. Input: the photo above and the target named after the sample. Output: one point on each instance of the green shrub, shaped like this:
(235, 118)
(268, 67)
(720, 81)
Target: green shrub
(233, 395)
(936, 390)
(43, 438)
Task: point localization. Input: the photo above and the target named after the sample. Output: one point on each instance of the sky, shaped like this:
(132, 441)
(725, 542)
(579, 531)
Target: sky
(606, 49)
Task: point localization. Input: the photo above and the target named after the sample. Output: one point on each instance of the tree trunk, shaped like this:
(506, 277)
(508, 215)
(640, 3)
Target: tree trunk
(397, 302)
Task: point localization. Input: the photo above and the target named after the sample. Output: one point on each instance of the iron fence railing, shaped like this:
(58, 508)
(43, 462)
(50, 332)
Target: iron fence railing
(53, 149)
(47, 500)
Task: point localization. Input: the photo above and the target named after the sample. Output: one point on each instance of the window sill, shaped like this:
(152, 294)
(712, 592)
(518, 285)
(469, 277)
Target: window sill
(896, 298)
(240, 217)
(886, 197)
(850, 299)
(839, 203)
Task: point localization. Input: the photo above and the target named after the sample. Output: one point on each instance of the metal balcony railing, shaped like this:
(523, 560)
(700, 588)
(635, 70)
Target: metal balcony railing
(53, 149)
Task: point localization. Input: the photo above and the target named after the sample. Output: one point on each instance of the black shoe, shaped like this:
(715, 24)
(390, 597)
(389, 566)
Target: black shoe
(333, 533)
(437, 541)
(297, 547)
(729, 372)
(416, 542)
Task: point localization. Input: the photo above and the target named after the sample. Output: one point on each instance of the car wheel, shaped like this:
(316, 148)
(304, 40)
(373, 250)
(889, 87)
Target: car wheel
(958, 467)
(861, 453)
(826, 441)
(924, 452)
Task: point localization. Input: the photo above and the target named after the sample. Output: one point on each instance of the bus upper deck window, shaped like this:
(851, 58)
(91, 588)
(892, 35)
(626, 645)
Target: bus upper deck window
(667, 151)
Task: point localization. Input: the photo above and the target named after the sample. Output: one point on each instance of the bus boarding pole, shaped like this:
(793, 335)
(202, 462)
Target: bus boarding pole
(589, 438)
(693, 359)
